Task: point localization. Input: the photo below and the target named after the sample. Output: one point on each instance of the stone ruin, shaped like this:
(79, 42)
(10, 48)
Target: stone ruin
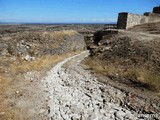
(127, 20)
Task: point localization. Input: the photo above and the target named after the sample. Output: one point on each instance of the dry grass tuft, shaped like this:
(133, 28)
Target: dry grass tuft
(3, 81)
(9, 84)
(59, 34)
(42, 63)
(146, 76)
(65, 32)
(99, 68)
(142, 75)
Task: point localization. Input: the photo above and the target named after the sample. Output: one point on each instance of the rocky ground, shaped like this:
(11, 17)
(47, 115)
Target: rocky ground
(74, 93)
(129, 61)
(52, 27)
(71, 89)
(152, 28)
(70, 92)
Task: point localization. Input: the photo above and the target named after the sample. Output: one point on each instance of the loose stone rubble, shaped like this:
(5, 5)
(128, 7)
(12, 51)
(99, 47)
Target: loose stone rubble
(73, 93)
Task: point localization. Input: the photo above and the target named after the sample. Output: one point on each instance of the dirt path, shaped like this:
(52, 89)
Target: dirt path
(72, 93)
(140, 36)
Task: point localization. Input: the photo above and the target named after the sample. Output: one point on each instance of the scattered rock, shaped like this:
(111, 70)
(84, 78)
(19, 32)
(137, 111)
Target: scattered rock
(29, 58)
(41, 111)
(2, 113)
(75, 102)
(17, 92)
(120, 115)
(75, 117)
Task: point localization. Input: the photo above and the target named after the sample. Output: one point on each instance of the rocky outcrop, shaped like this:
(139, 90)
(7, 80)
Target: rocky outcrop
(93, 38)
(33, 44)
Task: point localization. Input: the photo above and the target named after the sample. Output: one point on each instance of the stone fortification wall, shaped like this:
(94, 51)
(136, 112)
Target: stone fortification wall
(128, 20)
(156, 10)
(135, 19)
(153, 17)
(122, 20)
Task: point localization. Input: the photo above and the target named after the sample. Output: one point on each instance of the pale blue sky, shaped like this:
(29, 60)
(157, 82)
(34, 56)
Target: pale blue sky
(74, 11)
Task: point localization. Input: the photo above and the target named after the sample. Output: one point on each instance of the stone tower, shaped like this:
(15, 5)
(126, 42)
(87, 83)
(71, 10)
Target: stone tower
(156, 10)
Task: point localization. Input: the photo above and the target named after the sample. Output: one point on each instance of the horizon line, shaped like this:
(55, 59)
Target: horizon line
(58, 22)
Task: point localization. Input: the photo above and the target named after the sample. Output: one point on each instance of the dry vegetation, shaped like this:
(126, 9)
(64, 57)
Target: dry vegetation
(42, 63)
(65, 32)
(37, 43)
(137, 76)
(59, 34)
(19, 66)
(56, 37)
(152, 28)
(38, 35)
(132, 62)
(25, 56)
(11, 77)
(12, 65)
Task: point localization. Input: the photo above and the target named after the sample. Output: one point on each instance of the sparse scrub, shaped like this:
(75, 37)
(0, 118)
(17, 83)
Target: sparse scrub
(136, 61)
(99, 68)
(15, 68)
(3, 81)
(42, 63)
(139, 76)
(12, 71)
(37, 43)
(59, 34)
(43, 36)
(65, 32)
(143, 75)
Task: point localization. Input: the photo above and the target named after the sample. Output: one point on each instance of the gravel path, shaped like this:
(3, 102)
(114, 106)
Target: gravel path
(73, 93)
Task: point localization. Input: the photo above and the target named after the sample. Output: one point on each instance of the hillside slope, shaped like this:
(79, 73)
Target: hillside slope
(25, 54)
(130, 60)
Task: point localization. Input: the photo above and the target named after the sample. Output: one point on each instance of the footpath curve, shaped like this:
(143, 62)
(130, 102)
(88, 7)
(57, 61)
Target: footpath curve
(73, 93)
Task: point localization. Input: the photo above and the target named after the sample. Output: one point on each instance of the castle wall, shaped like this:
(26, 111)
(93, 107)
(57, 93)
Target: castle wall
(122, 20)
(134, 19)
(153, 17)
(128, 20)
(156, 10)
